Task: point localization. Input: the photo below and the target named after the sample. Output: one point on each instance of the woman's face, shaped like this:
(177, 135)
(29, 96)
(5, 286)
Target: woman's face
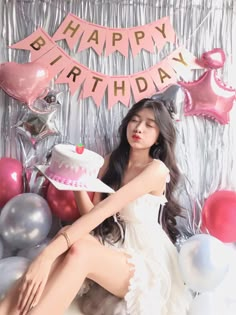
(142, 130)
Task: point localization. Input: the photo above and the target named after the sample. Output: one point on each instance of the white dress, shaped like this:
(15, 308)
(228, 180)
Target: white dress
(156, 287)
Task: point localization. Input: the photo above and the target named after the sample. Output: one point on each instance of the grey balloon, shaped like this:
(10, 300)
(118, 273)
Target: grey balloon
(25, 220)
(173, 95)
(34, 251)
(7, 250)
(11, 269)
(204, 262)
(1, 248)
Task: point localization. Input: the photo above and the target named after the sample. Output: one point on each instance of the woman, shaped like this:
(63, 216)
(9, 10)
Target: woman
(129, 253)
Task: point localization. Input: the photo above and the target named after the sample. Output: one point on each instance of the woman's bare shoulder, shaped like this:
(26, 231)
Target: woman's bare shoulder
(158, 167)
(159, 175)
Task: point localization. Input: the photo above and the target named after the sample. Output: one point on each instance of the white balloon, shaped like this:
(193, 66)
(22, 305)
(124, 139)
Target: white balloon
(207, 304)
(204, 262)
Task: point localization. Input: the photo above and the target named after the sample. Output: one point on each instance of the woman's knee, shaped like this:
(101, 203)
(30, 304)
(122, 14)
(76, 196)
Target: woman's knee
(80, 250)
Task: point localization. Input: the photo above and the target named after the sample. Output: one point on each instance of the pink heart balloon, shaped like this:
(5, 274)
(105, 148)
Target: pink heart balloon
(24, 82)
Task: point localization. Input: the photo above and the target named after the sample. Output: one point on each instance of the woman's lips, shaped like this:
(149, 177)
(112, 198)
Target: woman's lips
(136, 137)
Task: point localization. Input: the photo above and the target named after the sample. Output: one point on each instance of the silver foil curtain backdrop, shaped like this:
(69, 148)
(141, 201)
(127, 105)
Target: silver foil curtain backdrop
(205, 148)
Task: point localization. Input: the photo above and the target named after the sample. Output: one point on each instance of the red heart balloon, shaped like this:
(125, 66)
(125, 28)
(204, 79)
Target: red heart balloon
(24, 82)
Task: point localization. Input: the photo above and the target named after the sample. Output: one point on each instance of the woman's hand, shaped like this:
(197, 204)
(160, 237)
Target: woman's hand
(33, 283)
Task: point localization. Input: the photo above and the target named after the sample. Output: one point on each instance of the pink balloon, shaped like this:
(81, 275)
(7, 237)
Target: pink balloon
(219, 215)
(11, 183)
(214, 58)
(208, 96)
(24, 82)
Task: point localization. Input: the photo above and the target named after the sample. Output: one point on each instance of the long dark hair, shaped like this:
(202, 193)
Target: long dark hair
(164, 151)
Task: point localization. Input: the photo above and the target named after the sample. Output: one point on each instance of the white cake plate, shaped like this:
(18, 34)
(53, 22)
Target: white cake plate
(94, 185)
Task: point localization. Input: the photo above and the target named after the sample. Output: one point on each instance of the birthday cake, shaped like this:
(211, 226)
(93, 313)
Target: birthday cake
(73, 165)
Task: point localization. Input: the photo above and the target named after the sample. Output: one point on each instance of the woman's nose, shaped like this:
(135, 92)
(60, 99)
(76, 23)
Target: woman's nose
(138, 128)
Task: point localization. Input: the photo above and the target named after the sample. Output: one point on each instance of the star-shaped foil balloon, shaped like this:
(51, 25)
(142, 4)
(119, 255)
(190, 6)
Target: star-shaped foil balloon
(39, 124)
(209, 96)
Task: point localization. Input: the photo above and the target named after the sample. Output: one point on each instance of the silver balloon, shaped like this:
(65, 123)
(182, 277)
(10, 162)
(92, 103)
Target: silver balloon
(34, 251)
(11, 269)
(5, 249)
(204, 262)
(25, 220)
(56, 226)
(1, 248)
(173, 96)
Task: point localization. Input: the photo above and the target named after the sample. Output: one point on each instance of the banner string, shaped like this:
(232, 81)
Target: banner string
(186, 42)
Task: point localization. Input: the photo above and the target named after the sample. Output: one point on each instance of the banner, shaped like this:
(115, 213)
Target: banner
(38, 43)
(93, 84)
(99, 37)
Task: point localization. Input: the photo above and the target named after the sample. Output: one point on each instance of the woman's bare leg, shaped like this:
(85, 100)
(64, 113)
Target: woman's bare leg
(86, 258)
(9, 304)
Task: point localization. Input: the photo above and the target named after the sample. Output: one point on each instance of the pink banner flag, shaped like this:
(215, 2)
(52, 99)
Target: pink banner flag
(95, 86)
(140, 38)
(117, 39)
(74, 74)
(163, 74)
(162, 32)
(71, 30)
(183, 61)
(142, 85)
(94, 37)
(55, 60)
(118, 90)
(38, 43)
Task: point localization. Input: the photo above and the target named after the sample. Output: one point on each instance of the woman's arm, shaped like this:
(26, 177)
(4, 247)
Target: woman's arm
(151, 179)
(83, 201)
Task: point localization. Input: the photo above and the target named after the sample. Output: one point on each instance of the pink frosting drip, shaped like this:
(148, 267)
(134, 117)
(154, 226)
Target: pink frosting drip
(76, 183)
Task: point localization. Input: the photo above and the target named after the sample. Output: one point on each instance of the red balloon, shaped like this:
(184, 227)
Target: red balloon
(11, 180)
(63, 204)
(219, 215)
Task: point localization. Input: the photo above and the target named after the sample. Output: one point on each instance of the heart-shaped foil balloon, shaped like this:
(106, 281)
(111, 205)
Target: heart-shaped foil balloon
(24, 82)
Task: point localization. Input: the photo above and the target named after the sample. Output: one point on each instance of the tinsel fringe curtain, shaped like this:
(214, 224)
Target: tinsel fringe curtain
(205, 149)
